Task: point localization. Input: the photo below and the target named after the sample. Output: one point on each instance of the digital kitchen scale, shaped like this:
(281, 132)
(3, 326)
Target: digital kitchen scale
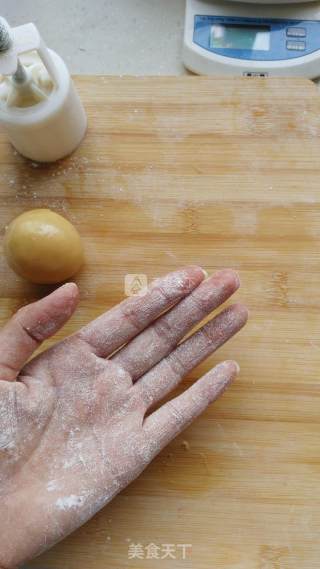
(252, 38)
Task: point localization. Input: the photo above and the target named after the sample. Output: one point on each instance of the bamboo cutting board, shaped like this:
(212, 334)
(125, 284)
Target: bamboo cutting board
(223, 173)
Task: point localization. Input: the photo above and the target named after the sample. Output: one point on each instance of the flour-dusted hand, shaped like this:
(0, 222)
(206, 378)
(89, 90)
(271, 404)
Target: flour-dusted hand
(79, 422)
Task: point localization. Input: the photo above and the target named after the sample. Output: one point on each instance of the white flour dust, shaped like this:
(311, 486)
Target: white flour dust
(69, 502)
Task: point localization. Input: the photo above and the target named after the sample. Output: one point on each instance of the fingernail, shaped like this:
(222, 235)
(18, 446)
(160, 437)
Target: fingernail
(229, 363)
(73, 288)
(206, 274)
(69, 284)
(237, 367)
(237, 278)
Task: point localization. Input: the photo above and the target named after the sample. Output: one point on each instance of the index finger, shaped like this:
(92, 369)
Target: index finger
(116, 327)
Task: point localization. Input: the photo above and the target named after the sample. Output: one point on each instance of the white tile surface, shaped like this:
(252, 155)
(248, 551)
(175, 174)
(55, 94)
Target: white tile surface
(136, 37)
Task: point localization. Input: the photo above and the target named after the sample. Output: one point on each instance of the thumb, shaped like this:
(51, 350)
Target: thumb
(32, 324)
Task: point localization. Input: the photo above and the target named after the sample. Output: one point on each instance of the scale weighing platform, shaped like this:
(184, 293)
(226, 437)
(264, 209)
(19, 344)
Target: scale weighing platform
(252, 39)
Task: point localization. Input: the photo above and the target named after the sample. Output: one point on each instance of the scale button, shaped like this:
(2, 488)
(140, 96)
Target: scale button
(296, 32)
(296, 45)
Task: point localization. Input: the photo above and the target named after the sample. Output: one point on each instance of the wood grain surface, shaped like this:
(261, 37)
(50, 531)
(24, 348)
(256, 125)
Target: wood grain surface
(223, 173)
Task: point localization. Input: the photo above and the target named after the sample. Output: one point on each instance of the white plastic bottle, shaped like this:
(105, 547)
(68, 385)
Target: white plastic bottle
(40, 109)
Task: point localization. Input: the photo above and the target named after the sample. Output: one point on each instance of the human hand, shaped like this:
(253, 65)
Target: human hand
(78, 422)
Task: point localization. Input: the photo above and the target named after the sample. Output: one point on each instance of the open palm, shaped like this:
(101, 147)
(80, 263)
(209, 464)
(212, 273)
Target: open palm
(80, 421)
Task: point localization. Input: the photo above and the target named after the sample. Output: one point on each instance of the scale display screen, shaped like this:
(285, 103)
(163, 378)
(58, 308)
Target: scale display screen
(238, 36)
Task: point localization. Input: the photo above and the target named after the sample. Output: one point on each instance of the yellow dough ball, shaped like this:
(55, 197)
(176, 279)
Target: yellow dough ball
(43, 247)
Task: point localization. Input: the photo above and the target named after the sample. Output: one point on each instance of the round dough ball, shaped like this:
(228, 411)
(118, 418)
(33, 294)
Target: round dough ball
(43, 247)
